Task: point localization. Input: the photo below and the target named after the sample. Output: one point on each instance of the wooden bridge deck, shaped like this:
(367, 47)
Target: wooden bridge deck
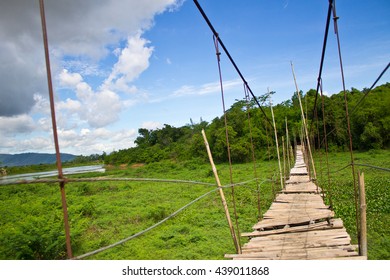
(298, 225)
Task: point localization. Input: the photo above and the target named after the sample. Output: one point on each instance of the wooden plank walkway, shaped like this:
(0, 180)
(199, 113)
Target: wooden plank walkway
(298, 225)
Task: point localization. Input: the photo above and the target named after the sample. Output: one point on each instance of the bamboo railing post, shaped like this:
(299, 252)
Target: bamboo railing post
(363, 218)
(277, 144)
(284, 161)
(288, 149)
(305, 126)
(221, 193)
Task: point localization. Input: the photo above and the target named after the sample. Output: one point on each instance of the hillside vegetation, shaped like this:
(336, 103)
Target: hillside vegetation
(370, 124)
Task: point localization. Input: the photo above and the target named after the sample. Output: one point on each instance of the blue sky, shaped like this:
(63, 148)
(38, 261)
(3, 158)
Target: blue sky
(122, 65)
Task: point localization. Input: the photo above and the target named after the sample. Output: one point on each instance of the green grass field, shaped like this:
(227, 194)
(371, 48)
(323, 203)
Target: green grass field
(102, 213)
(377, 184)
(105, 212)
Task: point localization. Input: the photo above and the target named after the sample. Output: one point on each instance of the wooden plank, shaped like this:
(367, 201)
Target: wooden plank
(298, 179)
(297, 206)
(337, 223)
(350, 258)
(292, 248)
(309, 253)
(283, 221)
(298, 197)
(297, 243)
(296, 214)
(304, 235)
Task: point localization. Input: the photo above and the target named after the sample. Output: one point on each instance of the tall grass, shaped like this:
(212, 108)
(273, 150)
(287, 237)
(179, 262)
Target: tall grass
(103, 213)
(342, 194)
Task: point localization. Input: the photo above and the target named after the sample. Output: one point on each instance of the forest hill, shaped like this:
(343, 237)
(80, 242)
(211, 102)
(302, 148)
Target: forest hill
(370, 125)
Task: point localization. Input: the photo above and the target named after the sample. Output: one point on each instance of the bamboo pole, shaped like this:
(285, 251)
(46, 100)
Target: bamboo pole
(277, 144)
(304, 124)
(288, 149)
(221, 193)
(284, 160)
(363, 218)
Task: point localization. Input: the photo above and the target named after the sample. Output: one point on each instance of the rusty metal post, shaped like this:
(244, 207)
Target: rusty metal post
(54, 126)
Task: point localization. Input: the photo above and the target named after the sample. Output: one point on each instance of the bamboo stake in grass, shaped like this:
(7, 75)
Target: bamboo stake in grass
(363, 219)
(221, 193)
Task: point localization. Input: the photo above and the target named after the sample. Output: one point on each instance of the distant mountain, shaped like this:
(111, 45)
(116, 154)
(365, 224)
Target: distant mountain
(31, 159)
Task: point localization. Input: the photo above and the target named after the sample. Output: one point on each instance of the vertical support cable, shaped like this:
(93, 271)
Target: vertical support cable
(54, 125)
(335, 18)
(326, 145)
(319, 154)
(247, 98)
(218, 54)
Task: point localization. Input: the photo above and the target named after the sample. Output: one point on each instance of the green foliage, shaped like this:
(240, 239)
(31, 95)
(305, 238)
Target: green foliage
(342, 193)
(370, 125)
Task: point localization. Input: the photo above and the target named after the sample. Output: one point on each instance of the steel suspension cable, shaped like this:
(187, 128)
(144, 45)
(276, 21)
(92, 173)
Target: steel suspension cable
(359, 103)
(84, 180)
(83, 256)
(230, 58)
(323, 54)
(364, 165)
(365, 95)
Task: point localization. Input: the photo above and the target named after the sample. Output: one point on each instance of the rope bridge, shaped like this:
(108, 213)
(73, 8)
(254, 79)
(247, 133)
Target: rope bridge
(298, 225)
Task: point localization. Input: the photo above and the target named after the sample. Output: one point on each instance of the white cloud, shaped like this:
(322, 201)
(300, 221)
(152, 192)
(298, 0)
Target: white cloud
(84, 141)
(97, 108)
(151, 125)
(13, 145)
(95, 141)
(82, 31)
(70, 105)
(69, 79)
(35, 143)
(17, 124)
(132, 61)
(83, 35)
(207, 88)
